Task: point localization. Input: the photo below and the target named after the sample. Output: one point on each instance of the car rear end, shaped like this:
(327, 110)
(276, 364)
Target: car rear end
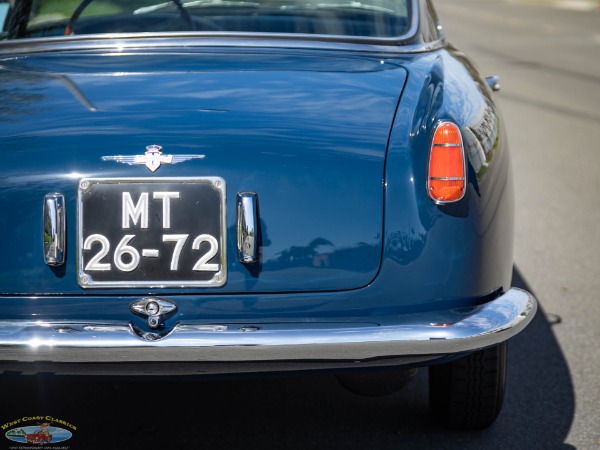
(249, 204)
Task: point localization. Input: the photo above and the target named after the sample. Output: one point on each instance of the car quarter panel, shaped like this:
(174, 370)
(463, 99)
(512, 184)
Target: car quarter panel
(461, 250)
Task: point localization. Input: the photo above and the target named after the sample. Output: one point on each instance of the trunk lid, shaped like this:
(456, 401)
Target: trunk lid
(305, 131)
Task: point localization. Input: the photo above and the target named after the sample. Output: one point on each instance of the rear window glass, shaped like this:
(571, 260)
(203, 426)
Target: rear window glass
(43, 18)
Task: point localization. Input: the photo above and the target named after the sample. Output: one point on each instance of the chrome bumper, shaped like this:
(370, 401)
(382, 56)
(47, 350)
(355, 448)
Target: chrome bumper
(412, 337)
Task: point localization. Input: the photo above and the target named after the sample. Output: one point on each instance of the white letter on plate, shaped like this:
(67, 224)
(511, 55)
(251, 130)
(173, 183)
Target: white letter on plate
(135, 211)
(166, 199)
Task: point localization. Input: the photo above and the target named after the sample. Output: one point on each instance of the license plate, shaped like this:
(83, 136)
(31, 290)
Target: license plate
(151, 232)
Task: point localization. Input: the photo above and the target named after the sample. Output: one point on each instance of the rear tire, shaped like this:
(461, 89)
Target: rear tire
(467, 394)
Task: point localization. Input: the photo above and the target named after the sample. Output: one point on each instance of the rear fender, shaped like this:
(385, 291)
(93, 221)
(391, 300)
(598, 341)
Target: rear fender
(461, 251)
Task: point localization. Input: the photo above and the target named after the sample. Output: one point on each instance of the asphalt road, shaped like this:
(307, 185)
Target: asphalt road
(548, 57)
(549, 62)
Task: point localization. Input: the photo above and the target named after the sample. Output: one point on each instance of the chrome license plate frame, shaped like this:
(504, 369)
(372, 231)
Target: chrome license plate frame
(151, 232)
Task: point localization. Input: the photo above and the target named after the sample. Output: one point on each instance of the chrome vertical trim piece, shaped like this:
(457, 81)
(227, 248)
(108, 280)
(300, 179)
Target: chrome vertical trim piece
(247, 227)
(54, 233)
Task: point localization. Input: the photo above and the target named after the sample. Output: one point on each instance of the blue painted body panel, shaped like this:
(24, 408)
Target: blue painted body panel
(335, 143)
(296, 137)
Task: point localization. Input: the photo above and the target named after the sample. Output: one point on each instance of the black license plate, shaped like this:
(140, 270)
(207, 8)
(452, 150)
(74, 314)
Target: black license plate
(151, 232)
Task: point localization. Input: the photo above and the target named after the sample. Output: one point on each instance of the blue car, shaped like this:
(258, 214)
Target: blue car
(232, 186)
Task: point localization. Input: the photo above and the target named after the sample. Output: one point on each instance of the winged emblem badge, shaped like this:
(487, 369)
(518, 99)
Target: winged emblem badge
(152, 158)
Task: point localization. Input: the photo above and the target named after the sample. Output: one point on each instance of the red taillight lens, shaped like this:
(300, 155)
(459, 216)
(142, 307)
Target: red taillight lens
(446, 179)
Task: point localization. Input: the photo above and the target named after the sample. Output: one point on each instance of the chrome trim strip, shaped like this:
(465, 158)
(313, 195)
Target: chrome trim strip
(247, 227)
(54, 232)
(482, 326)
(128, 41)
(447, 178)
(445, 145)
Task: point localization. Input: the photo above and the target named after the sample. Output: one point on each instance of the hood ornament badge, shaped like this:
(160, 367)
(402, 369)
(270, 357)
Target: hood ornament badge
(152, 158)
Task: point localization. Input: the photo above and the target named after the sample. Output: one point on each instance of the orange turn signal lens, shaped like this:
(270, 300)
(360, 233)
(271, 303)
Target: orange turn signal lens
(446, 180)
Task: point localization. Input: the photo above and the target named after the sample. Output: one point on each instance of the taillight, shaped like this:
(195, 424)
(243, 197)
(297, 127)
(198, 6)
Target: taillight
(446, 180)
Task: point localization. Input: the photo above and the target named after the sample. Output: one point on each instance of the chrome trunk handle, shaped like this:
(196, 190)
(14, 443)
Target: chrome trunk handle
(247, 227)
(54, 232)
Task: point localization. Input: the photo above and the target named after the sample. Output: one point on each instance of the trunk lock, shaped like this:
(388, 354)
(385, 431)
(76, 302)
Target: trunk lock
(154, 309)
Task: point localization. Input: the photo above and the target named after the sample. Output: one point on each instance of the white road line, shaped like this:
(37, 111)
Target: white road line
(577, 5)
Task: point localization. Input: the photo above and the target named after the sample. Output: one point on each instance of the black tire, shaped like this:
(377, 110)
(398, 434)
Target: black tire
(467, 394)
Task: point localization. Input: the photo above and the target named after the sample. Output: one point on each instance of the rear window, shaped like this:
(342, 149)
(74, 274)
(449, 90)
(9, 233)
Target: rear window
(43, 18)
